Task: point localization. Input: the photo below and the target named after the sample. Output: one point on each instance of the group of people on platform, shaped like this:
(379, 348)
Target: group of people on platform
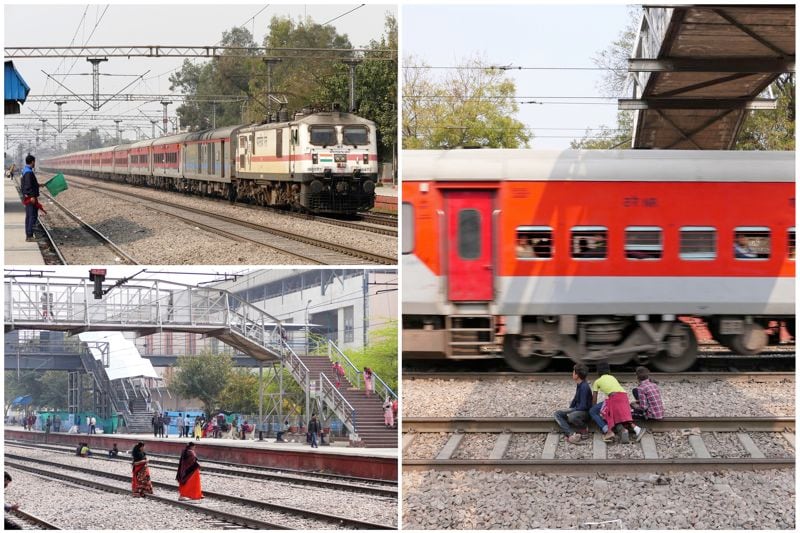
(614, 411)
(215, 427)
(188, 475)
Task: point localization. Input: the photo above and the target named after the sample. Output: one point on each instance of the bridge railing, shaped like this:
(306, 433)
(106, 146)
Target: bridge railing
(337, 403)
(652, 31)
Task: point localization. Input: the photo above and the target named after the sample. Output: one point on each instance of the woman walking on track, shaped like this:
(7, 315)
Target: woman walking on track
(367, 380)
(189, 475)
(141, 483)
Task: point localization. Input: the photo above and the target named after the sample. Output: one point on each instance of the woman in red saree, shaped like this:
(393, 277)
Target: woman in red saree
(189, 475)
(140, 483)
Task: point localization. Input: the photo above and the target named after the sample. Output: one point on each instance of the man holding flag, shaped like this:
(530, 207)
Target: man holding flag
(30, 197)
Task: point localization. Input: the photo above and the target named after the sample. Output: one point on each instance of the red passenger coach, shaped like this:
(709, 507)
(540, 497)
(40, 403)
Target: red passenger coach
(597, 255)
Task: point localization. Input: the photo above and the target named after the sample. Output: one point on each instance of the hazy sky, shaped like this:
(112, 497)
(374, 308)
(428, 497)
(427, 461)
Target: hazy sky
(124, 24)
(527, 36)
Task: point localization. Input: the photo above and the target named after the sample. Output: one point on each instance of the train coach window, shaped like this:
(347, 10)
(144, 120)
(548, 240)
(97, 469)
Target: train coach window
(322, 135)
(643, 242)
(469, 234)
(791, 244)
(354, 135)
(589, 242)
(534, 242)
(408, 228)
(751, 242)
(698, 243)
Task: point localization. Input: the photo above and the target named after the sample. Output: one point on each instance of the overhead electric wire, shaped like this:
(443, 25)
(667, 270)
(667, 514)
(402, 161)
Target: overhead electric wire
(343, 14)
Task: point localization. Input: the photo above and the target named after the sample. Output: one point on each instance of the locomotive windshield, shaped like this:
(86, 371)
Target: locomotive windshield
(355, 135)
(323, 135)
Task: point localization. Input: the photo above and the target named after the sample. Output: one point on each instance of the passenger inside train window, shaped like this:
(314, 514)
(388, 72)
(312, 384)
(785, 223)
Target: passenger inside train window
(791, 244)
(589, 242)
(751, 243)
(534, 242)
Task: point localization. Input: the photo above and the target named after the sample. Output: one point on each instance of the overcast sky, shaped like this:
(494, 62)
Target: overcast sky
(155, 24)
(526, 36)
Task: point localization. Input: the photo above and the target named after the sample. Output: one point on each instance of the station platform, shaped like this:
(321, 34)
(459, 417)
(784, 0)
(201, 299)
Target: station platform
(372, 463)
(386, 198)
(15, 250)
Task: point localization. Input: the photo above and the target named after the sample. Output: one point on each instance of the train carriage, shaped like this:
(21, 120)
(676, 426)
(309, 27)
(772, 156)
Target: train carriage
(594, 255)
(320, 162)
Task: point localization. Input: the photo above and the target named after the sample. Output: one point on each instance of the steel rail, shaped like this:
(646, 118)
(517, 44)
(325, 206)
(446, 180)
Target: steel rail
(546, 425)
(216, 514)
(48, 235)
(380, 218)
(105, 241)
(33, 519)
(757, 377)
(317, 243)
(593, 466)
(226, 469)
(327, 517)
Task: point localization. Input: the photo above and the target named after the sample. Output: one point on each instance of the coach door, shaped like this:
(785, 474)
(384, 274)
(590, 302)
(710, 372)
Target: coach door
(469, 245)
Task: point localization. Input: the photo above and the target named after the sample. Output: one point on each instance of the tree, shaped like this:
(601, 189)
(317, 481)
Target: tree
(773, 129)
(241, 392)
(380, 355)
(473, 105)
(608, 138)
(204, 377)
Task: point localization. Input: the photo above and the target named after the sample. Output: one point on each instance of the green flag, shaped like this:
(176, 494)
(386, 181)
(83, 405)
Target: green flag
(56, 184)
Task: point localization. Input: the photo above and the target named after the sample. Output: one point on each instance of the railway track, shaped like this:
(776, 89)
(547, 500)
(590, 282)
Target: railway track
(341, 483)
(760, 377)
(213, 502)
(695, 455)
(305, 248)
(29, 521)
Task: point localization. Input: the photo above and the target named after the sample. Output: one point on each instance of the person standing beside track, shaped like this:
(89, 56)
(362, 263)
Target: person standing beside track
(30, 197)
(140, 482)
(198, 428)
(180, 425)
(188, 475)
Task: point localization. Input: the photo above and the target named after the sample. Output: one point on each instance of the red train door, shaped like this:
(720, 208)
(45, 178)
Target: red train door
(469, 250)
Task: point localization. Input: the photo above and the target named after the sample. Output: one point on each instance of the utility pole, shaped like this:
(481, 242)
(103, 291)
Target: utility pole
(153, 124)
(352, 64)
(119, 132)
(59, 103)
(95, 61)
(37, 136)
(270, 61)
(43, 120)
(165, 119)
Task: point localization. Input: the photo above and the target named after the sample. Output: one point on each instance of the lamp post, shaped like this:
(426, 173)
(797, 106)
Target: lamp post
(307, 338)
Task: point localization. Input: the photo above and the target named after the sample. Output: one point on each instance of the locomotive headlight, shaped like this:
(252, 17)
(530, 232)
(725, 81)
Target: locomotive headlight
(339, 158)
(314, 159)
(369, 186)
(316, 186)
(366, 159)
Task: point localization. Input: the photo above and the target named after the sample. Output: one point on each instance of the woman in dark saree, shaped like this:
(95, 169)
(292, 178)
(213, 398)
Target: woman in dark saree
(141, 483)
(189, 475)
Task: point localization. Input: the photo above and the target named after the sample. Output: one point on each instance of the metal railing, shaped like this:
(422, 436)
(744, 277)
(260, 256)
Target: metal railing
(337, 403)
(351, 372)
(381, 389)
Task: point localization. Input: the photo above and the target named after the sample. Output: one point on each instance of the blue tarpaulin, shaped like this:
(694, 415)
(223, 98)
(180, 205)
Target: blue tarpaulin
(22, 400)
(16, 90)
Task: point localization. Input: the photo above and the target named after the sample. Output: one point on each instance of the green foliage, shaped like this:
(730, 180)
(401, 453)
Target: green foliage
(773, 129)
(204, 377)
(48, 389)
(241, 392)
(470, 106)
(380, 355)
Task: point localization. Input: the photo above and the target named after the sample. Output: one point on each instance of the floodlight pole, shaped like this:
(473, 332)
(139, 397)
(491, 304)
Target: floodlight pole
(95, 61)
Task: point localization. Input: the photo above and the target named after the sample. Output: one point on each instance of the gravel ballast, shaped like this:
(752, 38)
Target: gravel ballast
(323, 500)
(493, 500)
(542, 397)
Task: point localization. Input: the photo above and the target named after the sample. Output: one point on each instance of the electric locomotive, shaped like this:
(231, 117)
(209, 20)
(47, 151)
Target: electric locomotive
(596, 255)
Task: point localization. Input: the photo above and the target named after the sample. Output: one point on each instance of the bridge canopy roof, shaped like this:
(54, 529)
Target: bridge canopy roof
(124, 360)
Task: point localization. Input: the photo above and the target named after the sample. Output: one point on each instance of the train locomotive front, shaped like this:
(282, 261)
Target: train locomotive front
(322, 162)
(595, 255)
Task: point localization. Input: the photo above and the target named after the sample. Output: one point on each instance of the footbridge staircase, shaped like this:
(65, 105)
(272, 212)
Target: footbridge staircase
(152, 306)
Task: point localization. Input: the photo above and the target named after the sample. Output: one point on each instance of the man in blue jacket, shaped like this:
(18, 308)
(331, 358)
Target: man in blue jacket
(577, 416)
(30, 197)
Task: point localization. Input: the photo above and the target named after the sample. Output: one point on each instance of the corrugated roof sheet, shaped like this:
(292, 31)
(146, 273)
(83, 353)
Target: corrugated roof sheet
(16, 90)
